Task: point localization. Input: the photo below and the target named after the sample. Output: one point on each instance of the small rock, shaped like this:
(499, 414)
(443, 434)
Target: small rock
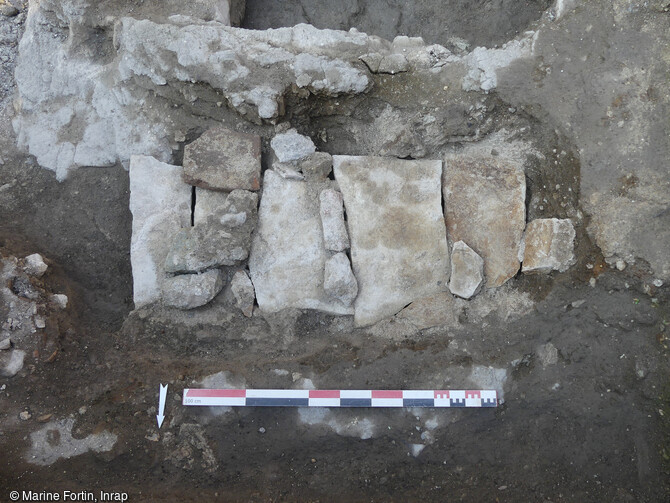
(153, 437)
(467, 271)
(8, 10)
(335, 234)
(372, 61)
(40, 322)
(549, 245)
(25, 415)
(316, 166)
(22, 287)
(548, 354)
(35, 266)
(287, 171)
(620, 265)
(59, 300)
(292, 146)
(243, 290)
(44, 418)
(658, 283)
(261, 430)
(338, 279)
(577, 303)
(82, 410)
(592, 282)
(11, 362)
(5, 344)
(393, 63)
(222, 159)
(188, 291)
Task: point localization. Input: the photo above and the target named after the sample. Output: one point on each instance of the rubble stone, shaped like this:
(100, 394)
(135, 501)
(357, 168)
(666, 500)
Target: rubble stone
(549, 245)
(292, 146)
(35, 266)
(316, 166)
(60, 300)
(398, 238)
(338, 279)
(287, 257)
(222, 159)
(467, 271)
(485, 206)
(161, 204)
(188, 291)
(244, 293)
(11, 362)
(335, 234)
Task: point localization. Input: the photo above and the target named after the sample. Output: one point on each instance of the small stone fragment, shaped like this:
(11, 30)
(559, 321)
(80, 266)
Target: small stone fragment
(549, 245)
(223, 239)
(338, 279)
(25, 415)
(287, 171)
(548, 354)
(188, 291)
(316, 166)
(222, 159)
(243, 291)
(467, 271)
(5, 344)
(292, 146)
(11, 362)
(372, 61)
(335, 234)
(393, 63)
(8, 10)
(34, 265)
(22, 287)
(59, 300)
(40, 322)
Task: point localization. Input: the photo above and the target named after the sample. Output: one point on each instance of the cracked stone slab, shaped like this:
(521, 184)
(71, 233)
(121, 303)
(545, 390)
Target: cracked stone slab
(161, 205)
(287, 257)
(549, 245)
(485, 206)
(396, 227)
(467, 271)
(222, 159)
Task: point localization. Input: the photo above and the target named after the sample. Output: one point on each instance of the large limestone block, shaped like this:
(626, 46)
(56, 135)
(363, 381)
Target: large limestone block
(288, 258)
(485, 206)
(161, 204)
(467, 271)
(396, 228)
(222, 159)
(549, 245)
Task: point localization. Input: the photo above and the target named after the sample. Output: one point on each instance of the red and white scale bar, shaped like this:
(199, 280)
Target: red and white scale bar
(339, 398)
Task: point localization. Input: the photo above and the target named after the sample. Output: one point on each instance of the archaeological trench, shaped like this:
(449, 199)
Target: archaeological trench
(366, 194)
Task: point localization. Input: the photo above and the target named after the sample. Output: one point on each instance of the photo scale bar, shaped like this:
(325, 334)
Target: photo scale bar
(339, 398)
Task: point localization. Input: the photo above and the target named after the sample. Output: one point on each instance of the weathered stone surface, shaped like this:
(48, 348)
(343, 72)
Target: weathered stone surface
(60, 300)
(11, 362)
(335, 235)
(287, 257)
(188, 291)
(549, 245)
(208, 203)
(338, 279)
(393, 63)
(316, 166)
(35, 266)
(243, 291)
(398, 238)
(485, 206)
(224, 238)
(292, 146)
(161, 204)
(5, 344)
(222, 159)
(432, 311)
(467, 271)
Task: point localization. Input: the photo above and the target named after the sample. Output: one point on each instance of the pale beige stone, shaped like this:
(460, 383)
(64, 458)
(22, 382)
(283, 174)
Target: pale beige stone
(549, 245)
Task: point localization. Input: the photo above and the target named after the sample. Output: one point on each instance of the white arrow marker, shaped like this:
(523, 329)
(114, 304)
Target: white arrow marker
(161, 405)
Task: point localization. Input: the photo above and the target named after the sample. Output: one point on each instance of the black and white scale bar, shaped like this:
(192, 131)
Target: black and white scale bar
(339, 398)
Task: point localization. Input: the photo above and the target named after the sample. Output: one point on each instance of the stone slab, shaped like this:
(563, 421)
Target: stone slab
(396, 228)
(485, 206)
(222, 159)
(549, 245)
(467, 271)
(161, 205)
(335, 236)
(188, 291)
(287, 257)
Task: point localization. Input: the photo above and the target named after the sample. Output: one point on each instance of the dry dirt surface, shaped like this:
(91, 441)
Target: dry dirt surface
(582, 357)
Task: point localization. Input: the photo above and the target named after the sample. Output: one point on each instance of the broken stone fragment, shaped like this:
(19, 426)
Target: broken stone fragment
(188, 291)
(335, 235)
(35, 265)
(8, 10)
(485, 206)
(59, 300)
(292, 146)
(287, 258)
(287, 170)
(372, 61)
(5, 344)
(243, 291)
(338, 279)
(398, 239)
(161, 204)
(549, 245)
(207, 203)
(11, 362)
(393, 63)
(223, 239)
(316, 166)
(222, 159)
(467, 271)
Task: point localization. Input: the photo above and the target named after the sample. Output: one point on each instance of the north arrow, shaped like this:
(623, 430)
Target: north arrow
(161, 405)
